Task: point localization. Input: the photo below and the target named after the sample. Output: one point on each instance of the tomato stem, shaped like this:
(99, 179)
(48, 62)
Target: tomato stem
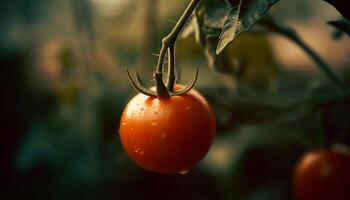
(168, 43)
(171, 69)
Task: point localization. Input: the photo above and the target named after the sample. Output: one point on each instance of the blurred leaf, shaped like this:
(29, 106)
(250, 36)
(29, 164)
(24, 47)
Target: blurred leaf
(342, 26)
(206, 25)
(188, 48)
(342, 6)
(253, 66)
(250, 107)
(241, 19)
(251, 62)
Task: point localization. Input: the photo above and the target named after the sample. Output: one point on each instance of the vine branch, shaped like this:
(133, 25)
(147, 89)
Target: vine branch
(293, 36)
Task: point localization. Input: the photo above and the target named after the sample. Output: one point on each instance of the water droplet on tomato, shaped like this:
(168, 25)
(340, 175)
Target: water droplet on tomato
(184, 172)
(139, 151)
(188, 107)
(154, 123)
(124, 123)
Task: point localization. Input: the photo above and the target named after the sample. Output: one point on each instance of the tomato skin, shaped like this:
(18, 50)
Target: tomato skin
(167, 135)
(323, 175)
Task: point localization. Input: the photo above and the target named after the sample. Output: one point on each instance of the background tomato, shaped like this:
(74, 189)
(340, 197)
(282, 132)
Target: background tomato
(323, 175)
(167, 135)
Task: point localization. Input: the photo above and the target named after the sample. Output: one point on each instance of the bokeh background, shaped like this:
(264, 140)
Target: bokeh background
(64, 86)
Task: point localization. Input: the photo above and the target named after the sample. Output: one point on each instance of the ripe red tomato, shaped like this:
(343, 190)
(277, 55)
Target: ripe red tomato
(167, 135)
(323, 175)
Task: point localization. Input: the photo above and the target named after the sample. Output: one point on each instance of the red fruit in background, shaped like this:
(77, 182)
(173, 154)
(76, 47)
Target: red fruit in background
(323, 175)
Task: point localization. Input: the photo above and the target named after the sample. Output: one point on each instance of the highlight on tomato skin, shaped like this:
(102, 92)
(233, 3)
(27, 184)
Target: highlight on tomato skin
(323, 175)
(167, 135)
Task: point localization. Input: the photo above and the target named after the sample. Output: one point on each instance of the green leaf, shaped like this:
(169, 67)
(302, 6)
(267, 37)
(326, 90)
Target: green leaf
(206, 25)
(241, 19)
(208, 20)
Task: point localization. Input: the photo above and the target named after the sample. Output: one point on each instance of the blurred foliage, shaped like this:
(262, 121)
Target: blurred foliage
(342, 26)
(212, 26)
(220, 22)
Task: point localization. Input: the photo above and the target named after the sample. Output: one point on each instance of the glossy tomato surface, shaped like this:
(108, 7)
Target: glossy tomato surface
(323, 175)
(167, 135)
